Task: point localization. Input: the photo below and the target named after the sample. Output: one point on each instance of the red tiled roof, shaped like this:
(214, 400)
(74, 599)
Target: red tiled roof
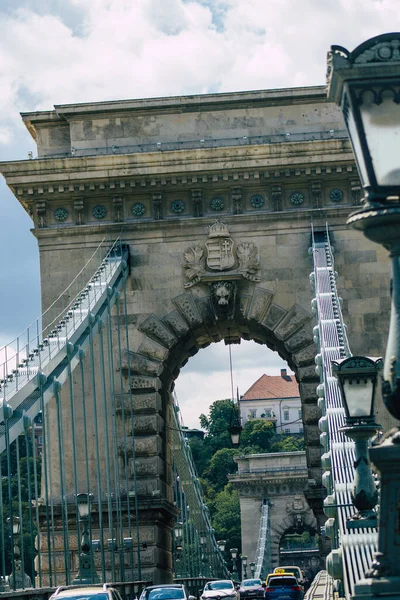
(273, 386)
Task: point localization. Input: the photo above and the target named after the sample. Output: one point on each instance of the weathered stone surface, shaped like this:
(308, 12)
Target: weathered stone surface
(206, 310)
(311, 413)
(153, 350)
(175, 321)
(303, 337)
(308, 391)
(145, 424)
(149, 465)
(305, 355)
(148, 402)
(154, 328)
(186, 304)
(274, 315)
(134, 362)
(295, 319)
(144, 383)
(260, 303)
(148, 445)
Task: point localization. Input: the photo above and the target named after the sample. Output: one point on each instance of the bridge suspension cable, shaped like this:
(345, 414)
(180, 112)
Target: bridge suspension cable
(352, 549)
(196, 552)
(263, 552)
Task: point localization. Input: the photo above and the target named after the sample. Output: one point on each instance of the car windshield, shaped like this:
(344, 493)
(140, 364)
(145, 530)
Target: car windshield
(219, 585)
(251, 582)
(282, 581)
(165, 594)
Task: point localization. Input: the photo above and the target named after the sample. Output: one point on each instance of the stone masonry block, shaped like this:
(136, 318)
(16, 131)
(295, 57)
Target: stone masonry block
(186, 305)
(157, 330)
(296, 318)
(260, 303)
(274, 315)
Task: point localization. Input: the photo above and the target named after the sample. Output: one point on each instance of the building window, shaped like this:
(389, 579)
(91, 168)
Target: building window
(286, 415)
(287, 430)
(267, 413)
(299, 413)
(252, 413)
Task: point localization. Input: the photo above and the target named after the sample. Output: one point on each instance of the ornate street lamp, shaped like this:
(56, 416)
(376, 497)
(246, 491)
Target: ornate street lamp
(221, 545)
(358, 376)
(366, 84)
(244, 566)
(18, 578)
(234, 553)
(86, 573)
(235, 428)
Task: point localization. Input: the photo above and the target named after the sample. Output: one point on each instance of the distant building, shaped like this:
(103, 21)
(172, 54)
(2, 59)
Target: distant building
(275, 399)
(191, 433)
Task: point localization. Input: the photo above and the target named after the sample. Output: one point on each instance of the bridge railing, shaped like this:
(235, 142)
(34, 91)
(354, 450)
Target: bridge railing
(352, 549)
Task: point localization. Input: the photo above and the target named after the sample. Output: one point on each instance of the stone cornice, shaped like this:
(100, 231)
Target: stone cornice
(195, 166)
(199, 102)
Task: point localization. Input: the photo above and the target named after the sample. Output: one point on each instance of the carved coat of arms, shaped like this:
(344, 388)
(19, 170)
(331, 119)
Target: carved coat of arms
(221, 255)
(219, 246)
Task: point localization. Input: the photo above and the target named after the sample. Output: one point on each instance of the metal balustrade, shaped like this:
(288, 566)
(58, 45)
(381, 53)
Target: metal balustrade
(263, 546)
(352, 549)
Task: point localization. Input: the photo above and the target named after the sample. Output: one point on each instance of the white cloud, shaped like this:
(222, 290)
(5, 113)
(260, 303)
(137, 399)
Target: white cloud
(206, 377)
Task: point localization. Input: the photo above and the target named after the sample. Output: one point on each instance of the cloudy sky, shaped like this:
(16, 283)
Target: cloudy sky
(63, 51)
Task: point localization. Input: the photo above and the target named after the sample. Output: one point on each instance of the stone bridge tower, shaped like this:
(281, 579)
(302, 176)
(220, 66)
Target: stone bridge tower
(215, 196)
(279, 479)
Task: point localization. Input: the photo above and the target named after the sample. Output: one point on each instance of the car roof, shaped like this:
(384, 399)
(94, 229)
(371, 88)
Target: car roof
(87, 590)
(164, 585)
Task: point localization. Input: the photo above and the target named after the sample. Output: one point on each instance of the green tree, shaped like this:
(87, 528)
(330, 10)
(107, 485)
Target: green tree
(258, 433)
(220, 466)
(226, 518)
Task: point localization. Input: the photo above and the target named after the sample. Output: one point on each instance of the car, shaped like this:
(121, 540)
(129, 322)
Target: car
(166, 591)
(88, 592)
(223, 588)
(283, 587)
(251, 588)
(296, 571)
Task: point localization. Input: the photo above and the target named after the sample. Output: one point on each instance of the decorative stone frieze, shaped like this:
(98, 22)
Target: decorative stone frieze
(237, 200)
(316, 194)
(356, 191)
(276, 194)
(41, 214)
(78, 211)
(117, 208)
(197, 201)
(157, 206)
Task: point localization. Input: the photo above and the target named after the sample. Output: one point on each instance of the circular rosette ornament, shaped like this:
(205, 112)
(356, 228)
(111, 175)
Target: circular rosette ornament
(297, 198)
(60, 214)
(217, 204)
(336, 195)
(177, 206)
(99, 211)
(257, 201)
(138, 209)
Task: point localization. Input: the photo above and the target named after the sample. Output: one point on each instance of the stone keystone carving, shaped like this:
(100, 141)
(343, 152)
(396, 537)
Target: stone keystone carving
(221, 256)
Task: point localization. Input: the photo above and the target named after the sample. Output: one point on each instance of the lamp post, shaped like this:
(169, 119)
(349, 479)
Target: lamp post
(366, 84)
(253, 568)
(18, 579)
(86, 573)
(235, 428)
(221, 545)
(357, 378)
(234, 553)
(244, 566)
